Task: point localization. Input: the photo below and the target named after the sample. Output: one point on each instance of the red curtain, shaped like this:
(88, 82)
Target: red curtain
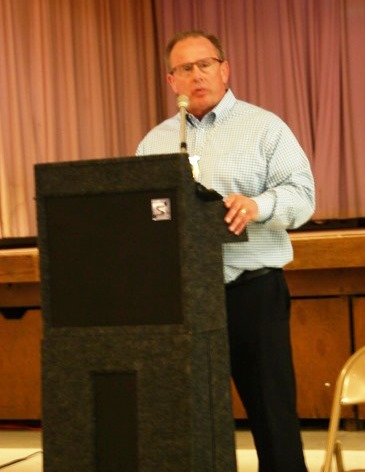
(86, 78)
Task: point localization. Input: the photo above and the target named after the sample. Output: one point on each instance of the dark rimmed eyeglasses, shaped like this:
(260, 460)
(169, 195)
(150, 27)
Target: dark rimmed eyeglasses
(203, 65)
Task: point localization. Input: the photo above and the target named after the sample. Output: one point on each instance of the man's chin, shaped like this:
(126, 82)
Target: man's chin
(199, 105)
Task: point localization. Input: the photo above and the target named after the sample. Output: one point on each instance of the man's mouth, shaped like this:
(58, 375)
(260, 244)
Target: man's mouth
(199, 91)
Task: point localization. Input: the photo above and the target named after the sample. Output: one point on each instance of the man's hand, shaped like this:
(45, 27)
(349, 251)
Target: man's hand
(241, 210)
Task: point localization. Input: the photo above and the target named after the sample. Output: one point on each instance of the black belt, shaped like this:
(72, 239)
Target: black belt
(249, 275)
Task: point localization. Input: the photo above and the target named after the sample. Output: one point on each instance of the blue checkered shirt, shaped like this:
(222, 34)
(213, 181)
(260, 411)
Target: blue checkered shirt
(248, 150)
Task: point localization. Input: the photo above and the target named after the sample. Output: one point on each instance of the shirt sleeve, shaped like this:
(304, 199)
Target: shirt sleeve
(289, 197)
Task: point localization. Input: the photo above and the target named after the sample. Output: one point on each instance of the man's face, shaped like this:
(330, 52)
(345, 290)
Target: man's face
(205, 88)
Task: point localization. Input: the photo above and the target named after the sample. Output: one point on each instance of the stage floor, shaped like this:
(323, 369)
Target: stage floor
(17, 444)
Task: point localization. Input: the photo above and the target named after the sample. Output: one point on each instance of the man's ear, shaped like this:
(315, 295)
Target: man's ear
(225, 72)
(171, 82)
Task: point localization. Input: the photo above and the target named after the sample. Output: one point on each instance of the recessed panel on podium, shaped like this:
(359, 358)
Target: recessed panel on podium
(113, 259)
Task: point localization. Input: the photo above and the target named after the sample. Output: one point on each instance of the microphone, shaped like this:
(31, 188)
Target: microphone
(182, 103)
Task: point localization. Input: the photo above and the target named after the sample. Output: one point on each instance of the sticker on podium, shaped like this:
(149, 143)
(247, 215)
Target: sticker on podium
(161, 209)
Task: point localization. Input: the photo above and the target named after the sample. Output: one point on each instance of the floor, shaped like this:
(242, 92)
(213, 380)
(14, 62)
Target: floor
(17, 444)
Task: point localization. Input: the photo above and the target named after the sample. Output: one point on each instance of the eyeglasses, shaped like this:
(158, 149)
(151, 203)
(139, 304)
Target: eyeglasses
(203, 65)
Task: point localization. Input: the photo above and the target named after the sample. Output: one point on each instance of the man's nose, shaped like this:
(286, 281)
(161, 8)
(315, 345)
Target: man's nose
(196, 71)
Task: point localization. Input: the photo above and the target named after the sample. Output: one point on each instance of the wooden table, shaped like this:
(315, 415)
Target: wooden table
(327, 284)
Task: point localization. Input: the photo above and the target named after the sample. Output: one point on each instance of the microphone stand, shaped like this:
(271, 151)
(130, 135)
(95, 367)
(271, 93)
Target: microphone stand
(182, 103)
(202, 192)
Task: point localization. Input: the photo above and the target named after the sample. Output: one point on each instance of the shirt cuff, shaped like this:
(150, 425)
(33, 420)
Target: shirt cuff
(265, 204)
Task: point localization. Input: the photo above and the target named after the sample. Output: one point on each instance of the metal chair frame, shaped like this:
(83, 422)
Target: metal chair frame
(349, 390)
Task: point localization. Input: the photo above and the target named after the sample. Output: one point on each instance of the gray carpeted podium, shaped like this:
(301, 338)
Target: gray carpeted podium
(135, 367)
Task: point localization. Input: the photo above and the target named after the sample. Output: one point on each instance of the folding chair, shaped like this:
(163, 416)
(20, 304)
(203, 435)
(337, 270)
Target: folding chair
(350, 390)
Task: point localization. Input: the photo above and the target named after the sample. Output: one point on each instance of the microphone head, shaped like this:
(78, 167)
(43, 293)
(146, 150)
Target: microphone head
(182, 101)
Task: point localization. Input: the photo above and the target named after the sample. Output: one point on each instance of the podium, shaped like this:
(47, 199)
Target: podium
(135, 365)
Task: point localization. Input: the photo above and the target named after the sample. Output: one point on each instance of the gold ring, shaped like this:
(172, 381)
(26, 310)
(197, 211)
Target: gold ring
(243, 211)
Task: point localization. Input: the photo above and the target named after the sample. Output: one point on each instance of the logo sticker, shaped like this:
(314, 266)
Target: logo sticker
(161, 209)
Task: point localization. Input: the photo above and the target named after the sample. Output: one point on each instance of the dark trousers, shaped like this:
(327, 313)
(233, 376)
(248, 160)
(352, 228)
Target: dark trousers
(258, 314)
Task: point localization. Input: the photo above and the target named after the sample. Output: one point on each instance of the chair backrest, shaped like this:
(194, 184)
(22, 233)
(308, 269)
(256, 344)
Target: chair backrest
(353, 379)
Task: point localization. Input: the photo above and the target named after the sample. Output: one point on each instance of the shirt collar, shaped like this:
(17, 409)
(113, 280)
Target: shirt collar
(219, 112)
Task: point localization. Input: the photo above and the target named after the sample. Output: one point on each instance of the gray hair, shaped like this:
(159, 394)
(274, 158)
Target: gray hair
(193, 34)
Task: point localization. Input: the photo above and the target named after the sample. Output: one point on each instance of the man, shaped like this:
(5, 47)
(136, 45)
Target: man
(249, 156)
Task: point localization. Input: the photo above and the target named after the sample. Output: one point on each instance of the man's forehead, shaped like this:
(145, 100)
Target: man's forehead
(192, 48)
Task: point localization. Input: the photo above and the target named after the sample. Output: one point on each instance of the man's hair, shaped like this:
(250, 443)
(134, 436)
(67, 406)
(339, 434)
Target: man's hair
(193, 34)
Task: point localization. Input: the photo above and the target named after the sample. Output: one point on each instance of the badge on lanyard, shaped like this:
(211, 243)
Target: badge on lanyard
(195, 166)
